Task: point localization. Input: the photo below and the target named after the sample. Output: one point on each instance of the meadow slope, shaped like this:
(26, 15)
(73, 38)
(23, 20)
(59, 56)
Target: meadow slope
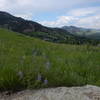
(28, 63)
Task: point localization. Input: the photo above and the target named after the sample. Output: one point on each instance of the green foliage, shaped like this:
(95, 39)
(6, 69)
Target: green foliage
(27, 62)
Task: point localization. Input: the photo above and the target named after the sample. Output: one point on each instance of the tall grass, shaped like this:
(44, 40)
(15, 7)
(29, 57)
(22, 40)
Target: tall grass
(28, 63)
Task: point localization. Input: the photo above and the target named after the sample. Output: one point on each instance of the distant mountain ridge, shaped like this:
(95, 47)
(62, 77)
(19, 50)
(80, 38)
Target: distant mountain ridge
(85, 32)
(18, 24)
(34, 29)
(27, 27)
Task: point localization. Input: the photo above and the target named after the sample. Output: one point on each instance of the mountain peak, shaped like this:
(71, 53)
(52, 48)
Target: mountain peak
(4, 13)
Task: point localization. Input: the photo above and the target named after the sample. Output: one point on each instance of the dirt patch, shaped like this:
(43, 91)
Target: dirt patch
(61, 93)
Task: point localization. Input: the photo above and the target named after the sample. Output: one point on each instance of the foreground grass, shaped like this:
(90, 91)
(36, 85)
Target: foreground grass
(26, 62)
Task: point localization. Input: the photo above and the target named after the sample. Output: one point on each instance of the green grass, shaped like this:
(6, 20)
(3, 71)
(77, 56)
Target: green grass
(23, 59)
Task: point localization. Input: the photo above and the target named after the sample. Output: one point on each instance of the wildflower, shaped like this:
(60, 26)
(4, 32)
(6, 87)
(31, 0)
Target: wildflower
(46, 81)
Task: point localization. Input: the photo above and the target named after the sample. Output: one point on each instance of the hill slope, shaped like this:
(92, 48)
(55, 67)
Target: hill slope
(27, 62)
(32, 28)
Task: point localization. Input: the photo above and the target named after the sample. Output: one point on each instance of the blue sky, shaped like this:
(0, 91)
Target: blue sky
(56, 13)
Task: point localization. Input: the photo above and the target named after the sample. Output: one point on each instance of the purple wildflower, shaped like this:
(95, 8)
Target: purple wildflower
(45, 81)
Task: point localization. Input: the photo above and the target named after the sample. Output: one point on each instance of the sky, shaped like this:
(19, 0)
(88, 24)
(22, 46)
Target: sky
(56, 13)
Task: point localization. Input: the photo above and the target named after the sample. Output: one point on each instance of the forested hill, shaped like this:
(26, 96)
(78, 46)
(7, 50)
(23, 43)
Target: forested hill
(35, 29)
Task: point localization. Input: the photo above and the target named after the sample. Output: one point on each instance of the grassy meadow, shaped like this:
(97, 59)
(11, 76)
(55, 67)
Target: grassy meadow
(30, 63)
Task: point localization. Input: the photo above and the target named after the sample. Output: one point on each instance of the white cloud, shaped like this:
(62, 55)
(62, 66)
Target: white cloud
(88, 16)
(25, 16)
(84, 11)
(61, 21)
(85, 17)
(37, 6)
(2, 4)
(90, 22)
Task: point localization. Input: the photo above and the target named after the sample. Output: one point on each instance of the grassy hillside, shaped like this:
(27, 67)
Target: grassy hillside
(27, 62)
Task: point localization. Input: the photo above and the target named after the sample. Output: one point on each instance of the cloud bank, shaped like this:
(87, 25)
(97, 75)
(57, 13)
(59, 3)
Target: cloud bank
(84, 13)
(84, 17)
